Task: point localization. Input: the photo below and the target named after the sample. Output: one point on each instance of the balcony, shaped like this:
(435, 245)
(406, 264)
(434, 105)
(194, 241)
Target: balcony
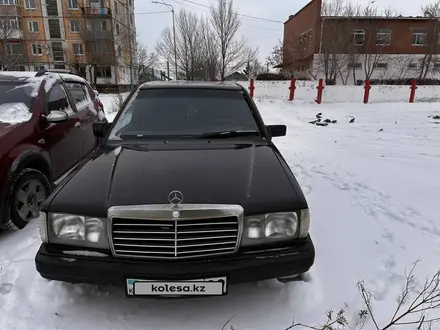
(96, 35)
(97, 12)
(12, 34)
(9, 10)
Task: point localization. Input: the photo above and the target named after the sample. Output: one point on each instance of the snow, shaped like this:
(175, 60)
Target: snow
(14, 113)
(372, 188)
(306, 92)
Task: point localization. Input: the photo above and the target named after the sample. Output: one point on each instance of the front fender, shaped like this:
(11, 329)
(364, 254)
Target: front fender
(22, 157)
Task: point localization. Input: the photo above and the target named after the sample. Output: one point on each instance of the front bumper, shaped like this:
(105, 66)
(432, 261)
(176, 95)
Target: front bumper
(53, 264)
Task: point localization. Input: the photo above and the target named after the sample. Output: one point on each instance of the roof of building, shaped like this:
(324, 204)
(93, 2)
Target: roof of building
(191, 84)
(398, 18)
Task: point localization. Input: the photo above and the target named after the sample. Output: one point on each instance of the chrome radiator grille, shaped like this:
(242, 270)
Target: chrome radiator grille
(174, 238)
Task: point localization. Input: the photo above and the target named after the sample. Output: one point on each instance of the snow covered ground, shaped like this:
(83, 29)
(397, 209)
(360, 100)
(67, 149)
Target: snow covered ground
(373, 189)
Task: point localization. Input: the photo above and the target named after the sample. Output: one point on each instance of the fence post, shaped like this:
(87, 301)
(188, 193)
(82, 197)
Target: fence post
(367, 88)
(413, 91)
(292, 89)
(251, 88)
(320, 89)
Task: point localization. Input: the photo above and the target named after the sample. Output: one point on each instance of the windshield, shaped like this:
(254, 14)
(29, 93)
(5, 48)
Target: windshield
(179, 112)
(14, 92)
(15, 102)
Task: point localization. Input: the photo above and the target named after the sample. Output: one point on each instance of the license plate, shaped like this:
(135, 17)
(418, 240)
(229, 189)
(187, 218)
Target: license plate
(199, 287)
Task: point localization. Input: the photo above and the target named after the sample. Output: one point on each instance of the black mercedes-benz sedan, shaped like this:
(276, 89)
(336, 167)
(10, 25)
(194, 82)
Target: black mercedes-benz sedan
(185, 195)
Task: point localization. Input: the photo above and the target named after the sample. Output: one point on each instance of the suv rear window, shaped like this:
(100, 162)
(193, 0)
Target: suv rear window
(178, 111)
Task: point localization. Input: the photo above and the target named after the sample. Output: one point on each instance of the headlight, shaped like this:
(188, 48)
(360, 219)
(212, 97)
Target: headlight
(275, 227)
(269, 228)
(77, 230)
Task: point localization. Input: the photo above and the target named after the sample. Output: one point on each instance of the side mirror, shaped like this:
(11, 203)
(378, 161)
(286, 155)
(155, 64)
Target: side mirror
(96, 92)
(57, 116)
(100, 128)
(277, 130)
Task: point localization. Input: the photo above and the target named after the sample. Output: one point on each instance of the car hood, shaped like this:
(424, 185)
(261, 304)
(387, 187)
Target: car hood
(250, 175)
(5, 128)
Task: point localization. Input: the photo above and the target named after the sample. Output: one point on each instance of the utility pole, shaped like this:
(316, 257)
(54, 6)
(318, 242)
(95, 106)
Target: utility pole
(174, 32)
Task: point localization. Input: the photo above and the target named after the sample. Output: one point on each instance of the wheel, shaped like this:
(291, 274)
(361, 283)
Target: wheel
(30, 190)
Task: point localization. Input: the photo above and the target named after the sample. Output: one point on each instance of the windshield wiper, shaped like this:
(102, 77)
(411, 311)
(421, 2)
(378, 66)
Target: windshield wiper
(226, 134)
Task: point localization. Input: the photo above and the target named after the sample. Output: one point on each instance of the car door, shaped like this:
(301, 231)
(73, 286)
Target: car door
(63, 140)
(87, 114)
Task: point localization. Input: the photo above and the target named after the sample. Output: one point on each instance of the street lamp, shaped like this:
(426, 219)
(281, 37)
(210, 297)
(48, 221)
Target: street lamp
(174, 31)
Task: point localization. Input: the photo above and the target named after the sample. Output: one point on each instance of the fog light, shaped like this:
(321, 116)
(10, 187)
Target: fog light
(255, 229)
(94, 229)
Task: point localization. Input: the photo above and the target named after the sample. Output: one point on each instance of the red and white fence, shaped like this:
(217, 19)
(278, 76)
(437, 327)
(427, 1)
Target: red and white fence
(317, 92)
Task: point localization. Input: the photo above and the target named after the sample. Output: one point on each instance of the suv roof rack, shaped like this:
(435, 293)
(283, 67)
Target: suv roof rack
(42, 72)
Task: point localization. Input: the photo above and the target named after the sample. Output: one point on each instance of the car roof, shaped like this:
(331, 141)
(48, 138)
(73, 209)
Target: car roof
(222, 85)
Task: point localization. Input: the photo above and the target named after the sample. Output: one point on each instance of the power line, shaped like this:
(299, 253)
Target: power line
(249, 16)
(207, 13)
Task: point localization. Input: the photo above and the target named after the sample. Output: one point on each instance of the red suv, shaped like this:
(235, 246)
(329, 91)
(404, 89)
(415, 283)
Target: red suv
(45, 130)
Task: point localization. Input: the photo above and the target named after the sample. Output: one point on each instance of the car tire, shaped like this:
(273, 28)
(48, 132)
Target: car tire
(30, 189)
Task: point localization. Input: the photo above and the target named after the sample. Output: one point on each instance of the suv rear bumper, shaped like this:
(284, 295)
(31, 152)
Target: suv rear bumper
(247, 267)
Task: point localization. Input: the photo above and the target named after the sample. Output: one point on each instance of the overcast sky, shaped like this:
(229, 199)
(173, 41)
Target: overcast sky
(260, 33)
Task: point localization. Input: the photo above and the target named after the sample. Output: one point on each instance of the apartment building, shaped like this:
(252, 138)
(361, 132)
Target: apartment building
(94, 38)
(347, 49)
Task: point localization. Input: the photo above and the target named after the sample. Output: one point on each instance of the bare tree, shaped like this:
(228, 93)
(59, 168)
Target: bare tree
(189, 38)
(418, 305)
(13, 50)
(145, 61)
(432, 12)
(209, 50)
(234, 53)
(276, 57)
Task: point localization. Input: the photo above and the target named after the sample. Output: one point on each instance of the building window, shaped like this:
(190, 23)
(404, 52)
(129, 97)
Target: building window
(37, 50)
(310, 39)
(119, 51)
(74, 26)
(72, 4)
(412, 66)
(104, 72)
(383, 37)
(131, 19)
(33, 26)
(116, 8)
(129, 2)
(419, 37)
(78, 49)
(7, 2)
(356, 65)
(104, 25)
(437, 65)
(29, 4)
(381, 65)
(117, 29)
(40, 68)
(59, 66)
(15, 49)
(358, 37)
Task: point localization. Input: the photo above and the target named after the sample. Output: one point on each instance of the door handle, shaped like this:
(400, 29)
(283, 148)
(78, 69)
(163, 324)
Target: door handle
(78, 124)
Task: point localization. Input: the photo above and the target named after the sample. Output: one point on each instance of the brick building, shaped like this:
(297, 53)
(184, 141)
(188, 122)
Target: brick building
(93, 38)
(348, 49)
